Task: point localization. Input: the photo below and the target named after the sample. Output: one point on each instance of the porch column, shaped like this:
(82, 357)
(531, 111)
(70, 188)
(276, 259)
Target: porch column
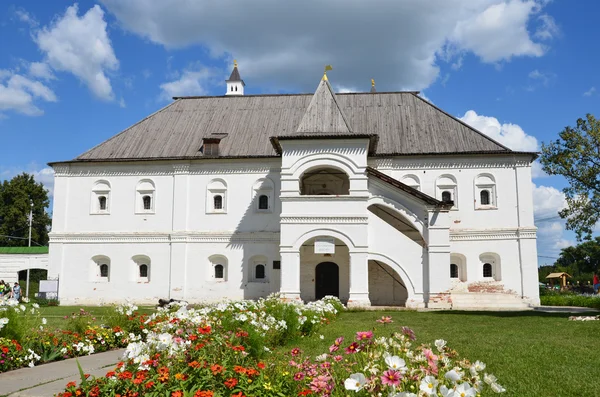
(359, 280)
(290, 275)
(438, 269)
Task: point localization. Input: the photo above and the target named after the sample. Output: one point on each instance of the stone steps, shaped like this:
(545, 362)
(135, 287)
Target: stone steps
(487, 301)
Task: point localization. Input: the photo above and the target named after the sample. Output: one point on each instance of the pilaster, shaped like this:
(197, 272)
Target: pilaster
(438, 270)
(359, 280)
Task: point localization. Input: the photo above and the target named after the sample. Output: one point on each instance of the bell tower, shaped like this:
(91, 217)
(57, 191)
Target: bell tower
(235, 84)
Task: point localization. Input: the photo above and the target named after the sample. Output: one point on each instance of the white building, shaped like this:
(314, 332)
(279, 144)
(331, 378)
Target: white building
(378, 198)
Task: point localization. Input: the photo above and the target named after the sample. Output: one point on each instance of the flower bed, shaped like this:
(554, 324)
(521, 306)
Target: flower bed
(226, 350)
(552, 298)
(25, 340)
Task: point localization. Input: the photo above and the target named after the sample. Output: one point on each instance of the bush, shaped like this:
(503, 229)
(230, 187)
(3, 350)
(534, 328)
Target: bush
(570, 299)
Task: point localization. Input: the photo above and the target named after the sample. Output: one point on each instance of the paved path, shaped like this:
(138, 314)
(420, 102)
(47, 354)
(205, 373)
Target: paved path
(49, 379)
(566, 309)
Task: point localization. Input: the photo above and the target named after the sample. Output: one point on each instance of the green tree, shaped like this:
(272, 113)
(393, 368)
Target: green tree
(15, 197)
(576, 156)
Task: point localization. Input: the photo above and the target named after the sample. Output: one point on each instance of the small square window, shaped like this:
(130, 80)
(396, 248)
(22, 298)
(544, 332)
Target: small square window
(276, 265)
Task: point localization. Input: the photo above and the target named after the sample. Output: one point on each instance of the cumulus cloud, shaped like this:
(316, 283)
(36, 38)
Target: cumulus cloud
(26, 17)
(399, 43)
(44, 175)
(41, 70)
(80, 45)
(192, 81)
(510, 135)
(547, 201)
(21, 94)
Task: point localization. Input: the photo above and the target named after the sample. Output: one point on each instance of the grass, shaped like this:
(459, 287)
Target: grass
(571, 300)
(531, 353)
(56, 314)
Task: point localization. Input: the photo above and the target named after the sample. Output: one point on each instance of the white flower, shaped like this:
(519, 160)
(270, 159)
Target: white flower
(404, 394)
(497, 388)
(453, 376)
(440, 343)
(428, 385)
(479, 366)
(36, 305)
(395, 362)
(355, 382)
(44, 321)
(322, 357)
(489, 379)
(321, 337)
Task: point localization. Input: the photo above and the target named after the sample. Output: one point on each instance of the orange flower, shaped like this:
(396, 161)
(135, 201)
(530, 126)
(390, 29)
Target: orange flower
(125, 375)
(251, 372)
(149, 385)
(239, 369)
(261, 365)
(240, 394)
(181, 376)
(195, 364)
(305, 392)
(193, 337)
(177, 393)
(239, 348)
(199, 346)
(204, 330)
(231, 383)
(71, 384)
(217, 369)
(110, 374)
(204, 393)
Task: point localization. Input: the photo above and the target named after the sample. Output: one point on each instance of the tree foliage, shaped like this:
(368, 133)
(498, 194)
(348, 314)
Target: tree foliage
(576, 156)
(15, 196)
(580, 261)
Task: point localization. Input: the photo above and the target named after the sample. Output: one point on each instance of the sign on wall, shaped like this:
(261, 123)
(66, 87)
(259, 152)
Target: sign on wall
(325, 245)
(48, 285)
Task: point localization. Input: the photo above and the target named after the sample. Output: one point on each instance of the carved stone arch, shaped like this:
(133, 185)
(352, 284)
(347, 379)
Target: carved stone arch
(316, 160)
(324, 232)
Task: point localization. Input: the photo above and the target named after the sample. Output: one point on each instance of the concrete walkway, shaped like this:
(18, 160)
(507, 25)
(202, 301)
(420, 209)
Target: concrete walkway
(49, 379)
(566, 309)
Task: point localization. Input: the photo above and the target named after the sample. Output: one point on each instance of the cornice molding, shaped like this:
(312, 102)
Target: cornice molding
(324, 198)
(310, 219)
(166, 170)
(443, 164)
(493, 234)
(179, 237)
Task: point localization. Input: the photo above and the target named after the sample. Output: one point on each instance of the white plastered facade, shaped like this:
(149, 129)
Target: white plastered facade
(391, 248)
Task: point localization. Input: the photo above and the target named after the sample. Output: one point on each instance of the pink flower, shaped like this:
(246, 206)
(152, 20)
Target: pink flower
(338, 358)
(299, 376)
(391, 377)
(353, 348)
(364, 335)
(385, 320)
(336, 345)
(409, 332)
(295, 352)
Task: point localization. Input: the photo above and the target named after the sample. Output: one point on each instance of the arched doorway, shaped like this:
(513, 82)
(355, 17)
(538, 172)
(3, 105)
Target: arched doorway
(327, 280)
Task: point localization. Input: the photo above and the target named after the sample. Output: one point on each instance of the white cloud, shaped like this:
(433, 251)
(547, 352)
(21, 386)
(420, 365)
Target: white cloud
(542, 77)
(547, 29)
(190, 82)
(547, 201)
(81, 46)
(590, 92)
(510, 135)
(26, 17)
(41, 70)
(45, 175)
(399, 43)
(537, 171)
(20, 94)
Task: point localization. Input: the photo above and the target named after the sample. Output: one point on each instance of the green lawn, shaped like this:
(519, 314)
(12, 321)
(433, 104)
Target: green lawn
(56, 314)
(531, 353)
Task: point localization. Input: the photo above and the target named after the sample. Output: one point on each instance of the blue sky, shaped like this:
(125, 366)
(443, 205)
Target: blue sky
(75, 74)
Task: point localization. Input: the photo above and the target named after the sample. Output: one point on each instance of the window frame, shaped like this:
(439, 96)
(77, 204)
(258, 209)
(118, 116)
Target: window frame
(263, 187)
(100, 189)
(145, 187)
(218, 260)
(454, 266)
(216, 187)
(482, 183)
(447, 183)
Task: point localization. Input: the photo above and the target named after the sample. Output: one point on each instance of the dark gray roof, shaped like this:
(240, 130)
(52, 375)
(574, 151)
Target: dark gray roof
(235, 75)
(404, 123)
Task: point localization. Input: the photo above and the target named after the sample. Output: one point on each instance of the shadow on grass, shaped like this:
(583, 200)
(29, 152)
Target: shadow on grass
(511, 314)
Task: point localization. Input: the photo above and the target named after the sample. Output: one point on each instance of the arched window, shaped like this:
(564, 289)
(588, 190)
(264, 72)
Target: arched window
(216, 197)
(219, 272)
(143, 268)
(263, 202)
(446, 196)
(262, 193)
(231, 88)
(102, 203)
(446, 190)
(485, 197)
(104, 270)
(100, 198)
(412, 181)
(260, 272)
(147, 202)
(485, 188)
(100, 269)
(487, 270)
(143, 271)
(218, 202)
(145, 197)
(236, 87)
(453, 270)
(325, 181)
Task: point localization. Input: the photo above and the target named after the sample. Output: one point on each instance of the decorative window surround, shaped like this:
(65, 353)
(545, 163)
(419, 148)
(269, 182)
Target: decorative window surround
(141, 262)
(219, 268)
(215, 189)
(263, 193)
(257, 267)
(100, 193)
(485, 183)
(100, 269)
(145, 200)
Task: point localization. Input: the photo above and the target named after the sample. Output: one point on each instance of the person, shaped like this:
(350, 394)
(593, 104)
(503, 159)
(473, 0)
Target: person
(17, 292)
(1, 288)
(596, 283)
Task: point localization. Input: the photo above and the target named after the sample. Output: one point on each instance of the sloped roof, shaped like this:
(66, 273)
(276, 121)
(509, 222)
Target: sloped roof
(404, 123)
(235, 75)
(24, 250)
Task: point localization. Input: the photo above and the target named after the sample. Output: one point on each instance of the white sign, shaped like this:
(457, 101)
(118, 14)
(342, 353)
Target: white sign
(324, 245)
(49, 286)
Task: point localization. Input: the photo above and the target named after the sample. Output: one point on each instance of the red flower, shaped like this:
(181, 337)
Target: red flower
(239, 394)
(203, 393)
(217, 369)
(261, 365)
(149, 385)
(204, 330)
(238, 348)
(177, 393)
(305, 392)
(239, 369)
(110, 374)
(231, 383)
(71, 384)
(125, 375)
(295, 352)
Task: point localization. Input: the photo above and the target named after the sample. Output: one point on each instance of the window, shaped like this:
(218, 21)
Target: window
(100, 198)
(276, 265)
(487, 270)
(412, 181)
(262, 193)
(325, 181)
(102, 203)
(219, 272)
(143, 271)
(260, 272)
(145, 200)
(263, 202)
(142, 267)
(485, 197)
(218, 202)
(485, 191)
(218, 269)
(446, 196)
(216, 197)
(453, 270)
(104, 270)
(446, 190)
